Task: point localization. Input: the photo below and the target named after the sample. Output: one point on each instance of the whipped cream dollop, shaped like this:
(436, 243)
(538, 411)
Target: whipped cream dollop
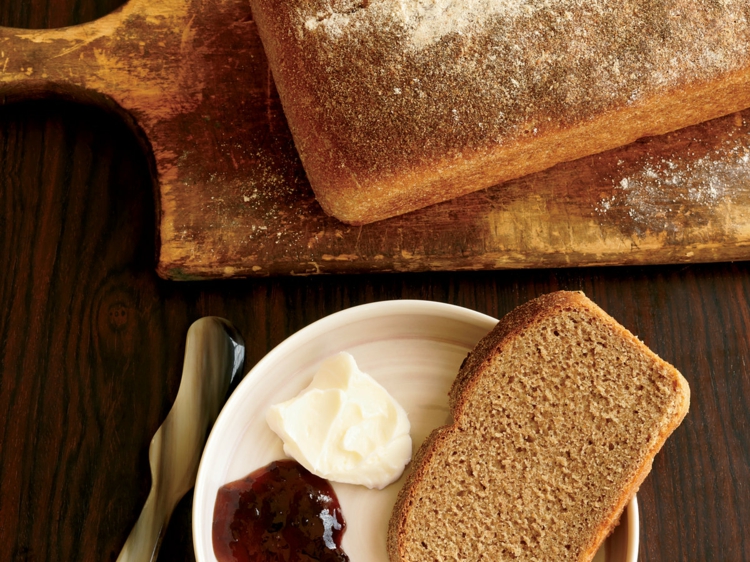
(345, 427)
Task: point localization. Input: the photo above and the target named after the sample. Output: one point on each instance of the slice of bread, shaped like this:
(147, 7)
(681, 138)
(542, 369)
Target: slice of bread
(558, 413)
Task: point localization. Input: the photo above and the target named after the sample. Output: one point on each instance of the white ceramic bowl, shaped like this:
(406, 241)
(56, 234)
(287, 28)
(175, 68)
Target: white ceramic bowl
(414, 349)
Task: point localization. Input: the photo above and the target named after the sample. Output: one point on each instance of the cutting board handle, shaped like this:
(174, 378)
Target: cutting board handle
(188, 76)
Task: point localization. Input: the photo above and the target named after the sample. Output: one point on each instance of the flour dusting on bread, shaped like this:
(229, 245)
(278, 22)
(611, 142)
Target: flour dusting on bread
(425, 21)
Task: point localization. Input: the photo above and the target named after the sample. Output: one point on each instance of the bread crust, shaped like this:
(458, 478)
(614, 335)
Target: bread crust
(471, 372)
(383, 127)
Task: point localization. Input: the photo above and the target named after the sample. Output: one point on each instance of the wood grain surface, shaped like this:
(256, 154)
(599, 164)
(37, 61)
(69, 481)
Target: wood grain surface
(91, 344)
(191, 80)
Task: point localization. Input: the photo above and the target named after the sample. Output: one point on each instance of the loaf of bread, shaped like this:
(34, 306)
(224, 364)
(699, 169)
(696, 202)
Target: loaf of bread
(398, 104)
(558, 414)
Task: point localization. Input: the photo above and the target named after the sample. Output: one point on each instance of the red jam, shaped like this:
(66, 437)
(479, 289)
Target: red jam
(279, 512)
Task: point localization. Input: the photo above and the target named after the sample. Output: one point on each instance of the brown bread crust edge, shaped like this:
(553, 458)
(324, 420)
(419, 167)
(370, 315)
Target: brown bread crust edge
(471, 370)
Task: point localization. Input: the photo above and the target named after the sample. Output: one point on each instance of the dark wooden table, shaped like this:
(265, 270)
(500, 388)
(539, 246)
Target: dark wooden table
(91, 342)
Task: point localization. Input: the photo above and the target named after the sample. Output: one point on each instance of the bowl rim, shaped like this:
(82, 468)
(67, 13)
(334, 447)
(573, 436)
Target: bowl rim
(634, 528)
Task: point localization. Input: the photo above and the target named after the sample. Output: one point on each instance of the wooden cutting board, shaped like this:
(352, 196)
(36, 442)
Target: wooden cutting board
(191, 79)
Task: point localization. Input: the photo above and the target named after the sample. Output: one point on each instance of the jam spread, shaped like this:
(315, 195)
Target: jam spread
(278, 512)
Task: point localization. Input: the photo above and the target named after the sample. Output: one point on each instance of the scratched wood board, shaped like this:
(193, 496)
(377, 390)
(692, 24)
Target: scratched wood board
(191, 79)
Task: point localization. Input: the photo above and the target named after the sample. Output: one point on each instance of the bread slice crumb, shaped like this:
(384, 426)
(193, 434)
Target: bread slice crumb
(558, 414)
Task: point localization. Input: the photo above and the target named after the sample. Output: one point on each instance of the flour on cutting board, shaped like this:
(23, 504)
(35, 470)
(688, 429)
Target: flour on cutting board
(656, 195)
(426, 21)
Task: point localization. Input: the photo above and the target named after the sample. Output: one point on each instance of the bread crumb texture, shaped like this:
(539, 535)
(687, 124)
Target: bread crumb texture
(395, 83)
(558, 413)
